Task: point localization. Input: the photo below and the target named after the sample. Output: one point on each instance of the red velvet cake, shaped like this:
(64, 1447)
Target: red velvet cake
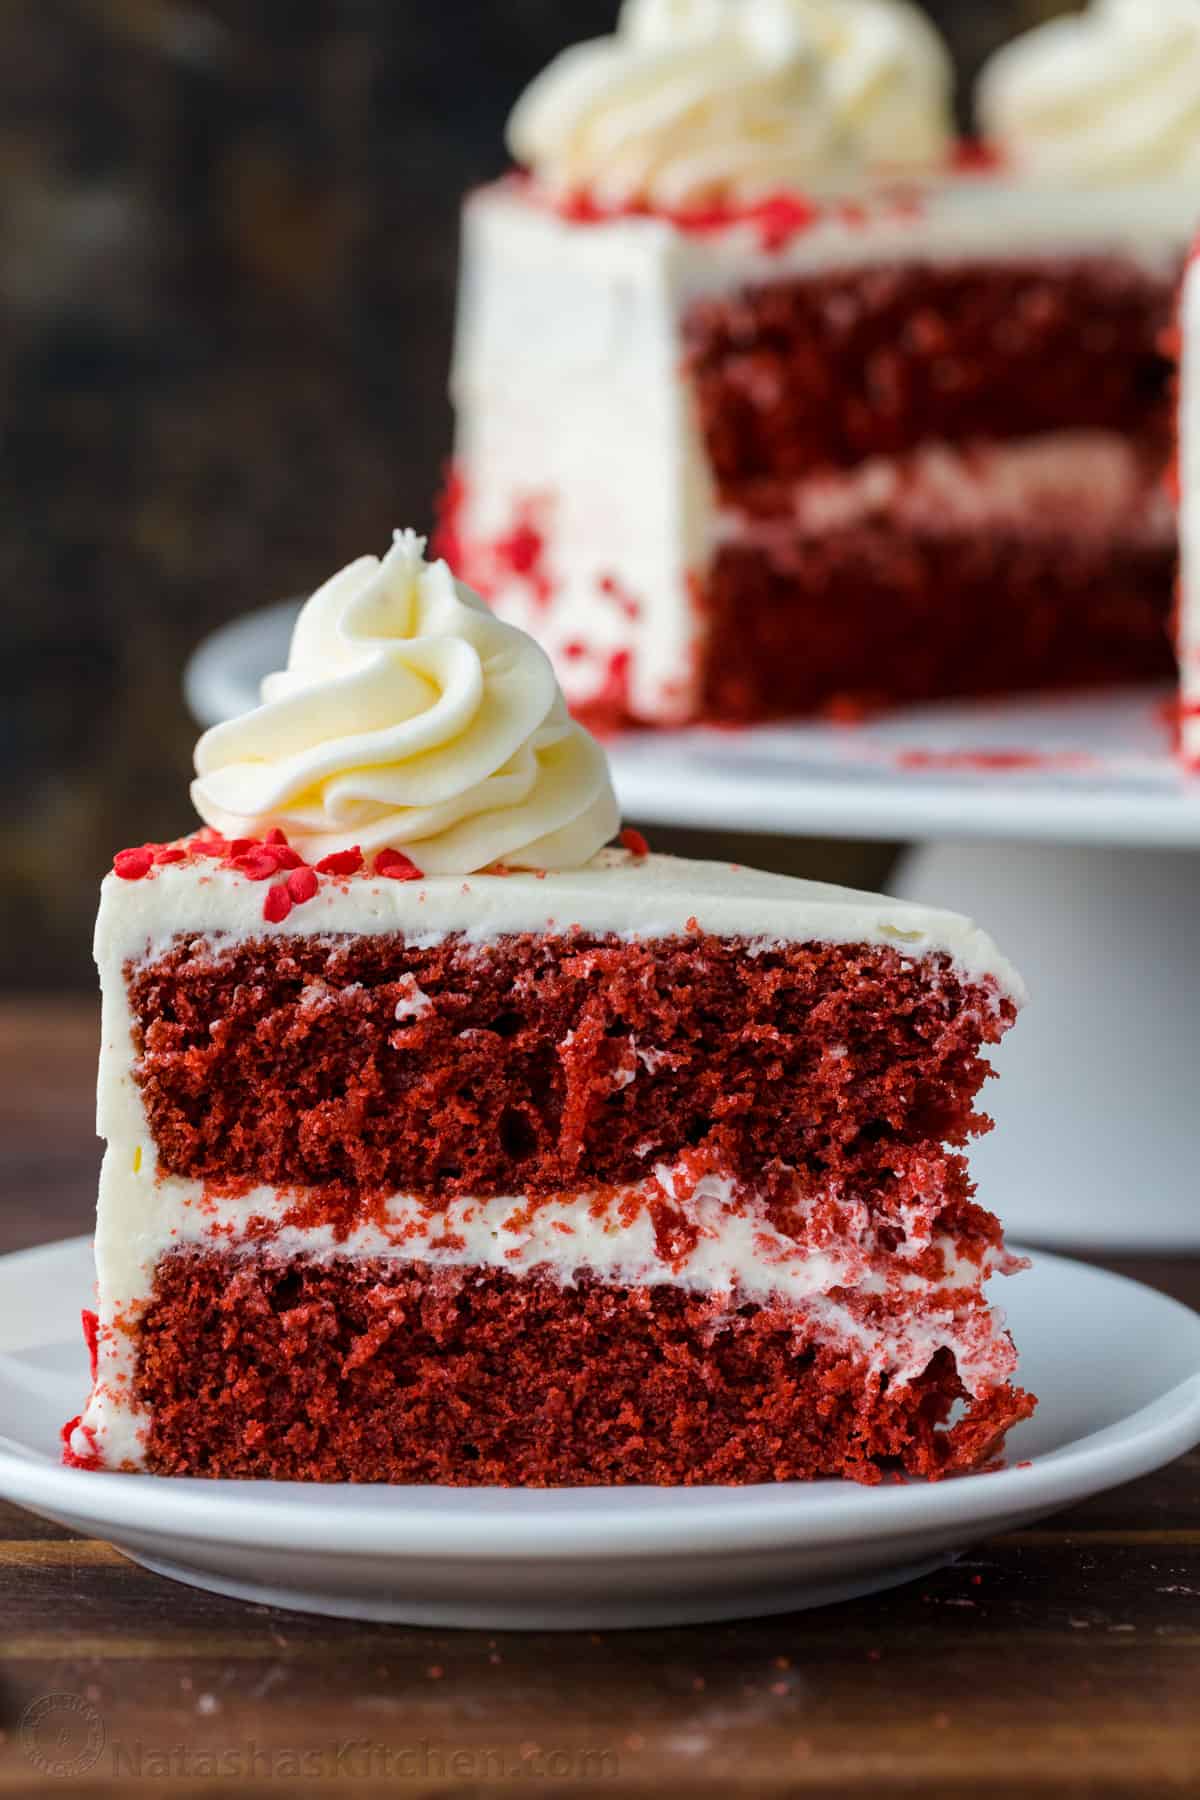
(767, 404)
(446, 1145)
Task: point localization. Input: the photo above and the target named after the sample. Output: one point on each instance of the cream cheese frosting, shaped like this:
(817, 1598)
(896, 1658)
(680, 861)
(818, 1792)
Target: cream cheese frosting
(699, 102)
(618, 892)
(888, 77)
(410, 718)
(1109, 95)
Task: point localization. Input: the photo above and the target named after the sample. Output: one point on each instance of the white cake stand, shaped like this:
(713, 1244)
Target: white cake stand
(1063, 826)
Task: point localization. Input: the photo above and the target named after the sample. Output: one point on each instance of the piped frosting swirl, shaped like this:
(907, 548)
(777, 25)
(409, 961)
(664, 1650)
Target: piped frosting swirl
(701, 102)
(1109, 95)
(410, 718)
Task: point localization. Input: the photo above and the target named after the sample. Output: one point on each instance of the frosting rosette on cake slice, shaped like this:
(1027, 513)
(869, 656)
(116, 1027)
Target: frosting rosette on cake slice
(410, 718)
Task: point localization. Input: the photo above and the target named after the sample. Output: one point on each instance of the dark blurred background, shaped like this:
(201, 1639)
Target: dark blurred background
(227, 256)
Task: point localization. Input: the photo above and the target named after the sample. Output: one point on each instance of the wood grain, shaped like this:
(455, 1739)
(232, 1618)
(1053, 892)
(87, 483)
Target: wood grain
(1059, 1660)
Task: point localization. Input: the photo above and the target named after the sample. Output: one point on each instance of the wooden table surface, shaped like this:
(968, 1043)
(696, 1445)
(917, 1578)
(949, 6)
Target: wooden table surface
(1062, 1660)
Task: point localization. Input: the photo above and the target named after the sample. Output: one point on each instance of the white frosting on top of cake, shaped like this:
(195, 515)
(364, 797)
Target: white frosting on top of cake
(410, 717)
(1109, 95)
(889, 78)
(617, 893)
(694, 102)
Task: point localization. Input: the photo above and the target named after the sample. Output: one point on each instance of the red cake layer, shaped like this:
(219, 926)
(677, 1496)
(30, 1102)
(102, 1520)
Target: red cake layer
(543, 1064)
(870, 615)
(353, 1371)
(823, 372)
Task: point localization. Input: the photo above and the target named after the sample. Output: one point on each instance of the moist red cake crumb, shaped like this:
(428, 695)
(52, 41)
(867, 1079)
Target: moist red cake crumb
(798, 376)
(885, 615)
(538, 1065)
(364, 1371)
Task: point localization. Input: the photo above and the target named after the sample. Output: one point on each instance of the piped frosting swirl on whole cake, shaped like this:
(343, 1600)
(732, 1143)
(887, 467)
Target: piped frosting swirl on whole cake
(410, 718)
(695, 103)
(1109, 95)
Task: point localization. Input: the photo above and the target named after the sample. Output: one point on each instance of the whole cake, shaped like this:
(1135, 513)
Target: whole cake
(445, 1144)
(773, 399)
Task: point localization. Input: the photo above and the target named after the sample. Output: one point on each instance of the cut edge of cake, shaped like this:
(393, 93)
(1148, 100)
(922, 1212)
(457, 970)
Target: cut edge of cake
(615, 546)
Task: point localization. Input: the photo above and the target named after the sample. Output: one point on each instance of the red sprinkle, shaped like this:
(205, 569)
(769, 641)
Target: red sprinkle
(396, 866)
(170, 853)
(209, 846)
(521, 550)
(302, 884)
(258, 864)
(999, 761)
(276, 836)
(634, 842)
(342, 862)
(286, 857)
(91, 1337)
(277, 905)
(131, 865)
(976, 156)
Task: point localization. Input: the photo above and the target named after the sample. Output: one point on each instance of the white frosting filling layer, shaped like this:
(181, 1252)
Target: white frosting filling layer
(610, 1238)
(1088, 486)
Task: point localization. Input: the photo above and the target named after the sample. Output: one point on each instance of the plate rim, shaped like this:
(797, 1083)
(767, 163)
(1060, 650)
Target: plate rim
(264, 1515)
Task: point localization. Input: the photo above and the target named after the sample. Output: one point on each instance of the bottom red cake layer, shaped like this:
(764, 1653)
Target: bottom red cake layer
(340, 1370)
(871, 616)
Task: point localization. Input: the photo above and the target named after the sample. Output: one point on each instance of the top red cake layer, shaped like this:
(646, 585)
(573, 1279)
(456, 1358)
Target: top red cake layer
(537, 1065)
(807, 374)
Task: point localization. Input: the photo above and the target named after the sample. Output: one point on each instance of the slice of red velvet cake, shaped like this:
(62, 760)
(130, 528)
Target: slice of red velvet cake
(767, 405)
(445, 1145)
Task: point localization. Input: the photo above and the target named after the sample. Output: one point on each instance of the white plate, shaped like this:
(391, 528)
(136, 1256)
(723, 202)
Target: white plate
(1117, 1368)
(1088, 769)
